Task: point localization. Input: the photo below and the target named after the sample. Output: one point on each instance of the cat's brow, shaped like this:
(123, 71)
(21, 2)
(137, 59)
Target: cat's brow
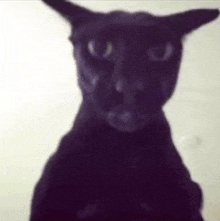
(115, 29)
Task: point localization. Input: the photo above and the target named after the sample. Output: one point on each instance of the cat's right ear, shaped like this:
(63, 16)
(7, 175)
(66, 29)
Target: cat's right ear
(75, 14)
(188, 21)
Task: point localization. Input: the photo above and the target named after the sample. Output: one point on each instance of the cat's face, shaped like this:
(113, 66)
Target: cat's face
(128, 63)
(127, 71)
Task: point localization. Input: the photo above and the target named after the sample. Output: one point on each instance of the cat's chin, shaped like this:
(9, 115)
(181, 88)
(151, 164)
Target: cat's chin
(127, 120)
(124, 127)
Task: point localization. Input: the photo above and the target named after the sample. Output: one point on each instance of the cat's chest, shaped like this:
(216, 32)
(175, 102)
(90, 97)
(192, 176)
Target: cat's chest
(135, 160)
(121, 165)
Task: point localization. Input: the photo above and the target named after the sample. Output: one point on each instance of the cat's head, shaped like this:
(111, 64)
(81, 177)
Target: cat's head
(128, 63)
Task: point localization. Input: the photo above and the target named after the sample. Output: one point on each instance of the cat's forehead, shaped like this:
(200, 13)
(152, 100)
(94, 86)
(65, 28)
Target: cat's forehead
(116, 22)
(126, 18)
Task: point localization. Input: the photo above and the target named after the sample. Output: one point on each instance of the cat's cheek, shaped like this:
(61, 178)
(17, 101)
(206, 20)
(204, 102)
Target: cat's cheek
(88, 84)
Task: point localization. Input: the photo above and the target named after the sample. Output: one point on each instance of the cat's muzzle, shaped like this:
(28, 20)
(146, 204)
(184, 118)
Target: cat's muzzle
(126, 119)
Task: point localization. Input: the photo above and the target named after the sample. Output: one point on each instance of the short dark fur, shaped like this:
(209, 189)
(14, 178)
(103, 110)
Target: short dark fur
(118, 162)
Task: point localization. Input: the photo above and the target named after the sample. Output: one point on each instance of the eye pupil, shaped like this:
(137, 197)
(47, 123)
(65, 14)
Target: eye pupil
(100, 49)
(156, 53)
(161, 52)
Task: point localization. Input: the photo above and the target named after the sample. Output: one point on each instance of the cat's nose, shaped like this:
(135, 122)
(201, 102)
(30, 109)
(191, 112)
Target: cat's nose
(129, 90)
(122, 86)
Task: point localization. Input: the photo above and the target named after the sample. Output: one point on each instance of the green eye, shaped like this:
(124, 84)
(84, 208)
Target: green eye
(100, 49)
(161, 52)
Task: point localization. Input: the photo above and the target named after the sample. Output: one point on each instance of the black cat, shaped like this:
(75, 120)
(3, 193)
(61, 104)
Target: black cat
(118, 162)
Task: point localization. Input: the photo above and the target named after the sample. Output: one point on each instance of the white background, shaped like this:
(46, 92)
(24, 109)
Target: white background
(40, 97)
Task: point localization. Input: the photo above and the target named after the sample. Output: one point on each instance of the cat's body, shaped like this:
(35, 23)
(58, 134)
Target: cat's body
(118, 162)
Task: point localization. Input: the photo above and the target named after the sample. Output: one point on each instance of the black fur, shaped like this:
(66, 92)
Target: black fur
(118, 162)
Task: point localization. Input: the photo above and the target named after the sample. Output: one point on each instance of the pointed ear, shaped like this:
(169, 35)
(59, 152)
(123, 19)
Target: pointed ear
(188, 21)
(75, 14)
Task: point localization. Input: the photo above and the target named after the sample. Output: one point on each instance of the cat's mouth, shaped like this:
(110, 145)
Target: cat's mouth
(127, 119)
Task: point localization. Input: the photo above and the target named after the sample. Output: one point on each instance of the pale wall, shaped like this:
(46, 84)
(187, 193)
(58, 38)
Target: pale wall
(40, 97)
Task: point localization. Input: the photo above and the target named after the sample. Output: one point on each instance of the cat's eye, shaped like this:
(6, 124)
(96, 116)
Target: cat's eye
(160, 52)
(100, 49)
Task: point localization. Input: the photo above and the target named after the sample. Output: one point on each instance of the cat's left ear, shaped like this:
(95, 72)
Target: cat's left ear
(188, 21)
(73, 13)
